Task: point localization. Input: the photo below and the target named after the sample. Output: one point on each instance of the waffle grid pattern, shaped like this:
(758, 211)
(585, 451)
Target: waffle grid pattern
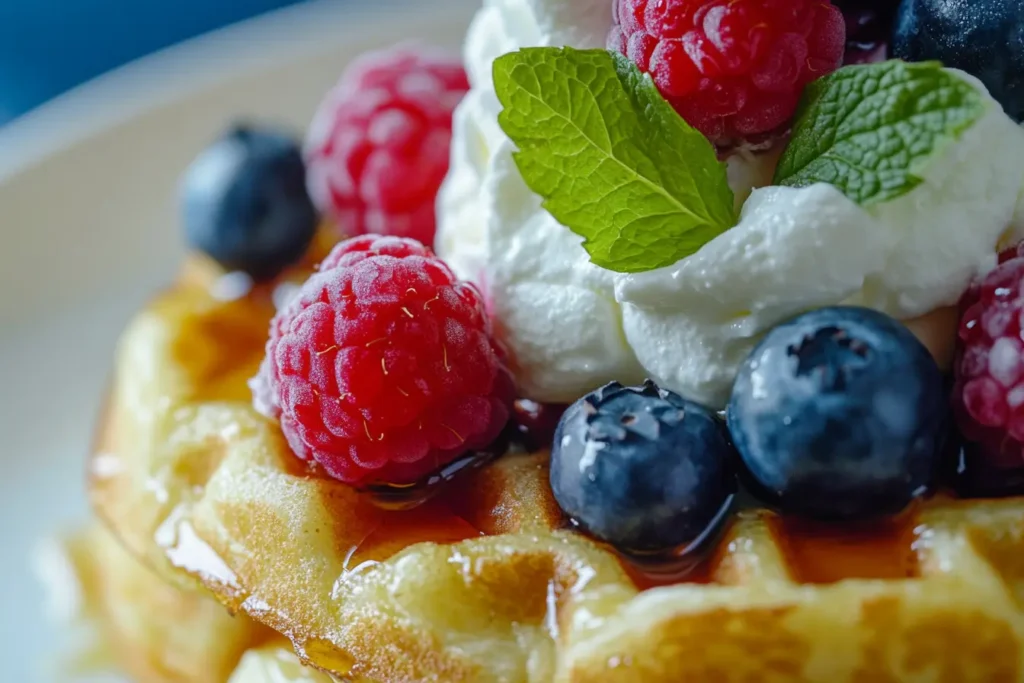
(486, 584)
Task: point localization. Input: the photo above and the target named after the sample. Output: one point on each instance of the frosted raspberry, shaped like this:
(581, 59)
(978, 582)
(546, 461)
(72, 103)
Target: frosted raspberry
(377, 150)
(989, 370)
(734, 69)
(383, 367)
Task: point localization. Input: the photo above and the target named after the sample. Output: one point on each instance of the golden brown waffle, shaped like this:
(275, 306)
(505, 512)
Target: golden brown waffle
(275, 662)
(485, 583)
(146, 628)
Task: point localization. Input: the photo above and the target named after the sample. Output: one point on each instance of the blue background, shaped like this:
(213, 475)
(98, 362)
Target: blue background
(49, 46)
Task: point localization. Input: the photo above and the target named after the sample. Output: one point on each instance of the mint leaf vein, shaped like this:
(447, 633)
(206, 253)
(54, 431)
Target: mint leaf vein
(610, 157)
(870, 130)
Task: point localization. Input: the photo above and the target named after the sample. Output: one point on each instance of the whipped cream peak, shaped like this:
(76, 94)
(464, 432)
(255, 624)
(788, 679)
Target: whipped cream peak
(796, 249)
(571, 326)
(693, 323)
(503, 26)
(553, 307)
(555, 310)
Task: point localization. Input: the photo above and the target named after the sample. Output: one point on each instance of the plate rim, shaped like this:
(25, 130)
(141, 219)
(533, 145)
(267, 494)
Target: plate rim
(162, 77)
(58, 136)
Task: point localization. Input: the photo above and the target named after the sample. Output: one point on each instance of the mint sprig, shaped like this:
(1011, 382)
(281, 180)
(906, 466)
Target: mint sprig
(610, 157)
(870, 130)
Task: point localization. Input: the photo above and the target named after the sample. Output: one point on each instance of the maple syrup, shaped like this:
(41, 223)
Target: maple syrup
(386, 529)
(221, 342)
(827, 552)
(395, 530)
(186, 550)
(407, 496)
(689, 563)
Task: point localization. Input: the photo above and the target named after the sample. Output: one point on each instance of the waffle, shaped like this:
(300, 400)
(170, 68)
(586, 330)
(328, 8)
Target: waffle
(486, 582)
(129, 618)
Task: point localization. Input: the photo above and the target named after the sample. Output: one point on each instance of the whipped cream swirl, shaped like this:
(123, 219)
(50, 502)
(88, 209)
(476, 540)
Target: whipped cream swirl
(572, 326)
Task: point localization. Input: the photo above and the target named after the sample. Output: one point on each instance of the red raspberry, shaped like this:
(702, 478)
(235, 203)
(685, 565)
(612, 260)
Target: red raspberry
(377, 150)
(989, 392)
(734, 69)
(383, 367)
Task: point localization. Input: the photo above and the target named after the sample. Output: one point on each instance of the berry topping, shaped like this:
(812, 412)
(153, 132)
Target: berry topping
(382, 369)
(868, 28)
(734, 69)
(985, 38)
(642, 468)
(377, 149)
(988, 396)
(244, 202)
(839, 414)
(536, 423)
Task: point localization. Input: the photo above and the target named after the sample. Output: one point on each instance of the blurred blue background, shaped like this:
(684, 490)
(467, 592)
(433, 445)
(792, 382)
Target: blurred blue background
(49, 46)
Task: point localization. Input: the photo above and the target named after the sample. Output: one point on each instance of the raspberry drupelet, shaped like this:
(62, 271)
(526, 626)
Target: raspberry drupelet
(377, 150)
(383, 367)
(734, 69)
(989, 392)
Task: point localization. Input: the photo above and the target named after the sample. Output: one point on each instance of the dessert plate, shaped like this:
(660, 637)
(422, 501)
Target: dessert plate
(87, 213)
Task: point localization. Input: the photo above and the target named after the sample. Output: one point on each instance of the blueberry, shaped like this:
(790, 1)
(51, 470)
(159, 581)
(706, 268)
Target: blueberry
(642, 468)
(868, 28)
(244, 202)
(840, 414)
(985, 38)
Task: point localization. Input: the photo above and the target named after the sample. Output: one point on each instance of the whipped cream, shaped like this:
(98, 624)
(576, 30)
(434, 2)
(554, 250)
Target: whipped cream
(555, 310)
(553, 307)
(691, 324)
(572, 326)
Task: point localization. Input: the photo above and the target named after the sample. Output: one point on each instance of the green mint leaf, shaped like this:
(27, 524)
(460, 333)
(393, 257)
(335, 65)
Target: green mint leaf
(870, 130)
(611, 158)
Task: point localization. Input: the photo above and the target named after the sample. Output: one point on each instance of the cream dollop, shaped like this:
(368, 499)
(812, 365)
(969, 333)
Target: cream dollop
(555, 309)
(692, 323)
(572, 326)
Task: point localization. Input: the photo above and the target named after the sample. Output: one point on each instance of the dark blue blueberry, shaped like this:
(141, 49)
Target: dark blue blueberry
(985, 38)
(840, 414)
(868, 28)
(244, 202)
(642, 468)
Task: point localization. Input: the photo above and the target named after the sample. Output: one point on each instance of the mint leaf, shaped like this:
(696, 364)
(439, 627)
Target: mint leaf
(611, 158)
(870, 130)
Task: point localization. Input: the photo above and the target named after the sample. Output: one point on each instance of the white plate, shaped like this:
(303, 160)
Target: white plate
(88, 226)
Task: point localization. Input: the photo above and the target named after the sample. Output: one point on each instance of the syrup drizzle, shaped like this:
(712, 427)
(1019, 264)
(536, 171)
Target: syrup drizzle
(827, 552)
(689, 563)
(186, 550)
(407, 496)
(396, 529)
